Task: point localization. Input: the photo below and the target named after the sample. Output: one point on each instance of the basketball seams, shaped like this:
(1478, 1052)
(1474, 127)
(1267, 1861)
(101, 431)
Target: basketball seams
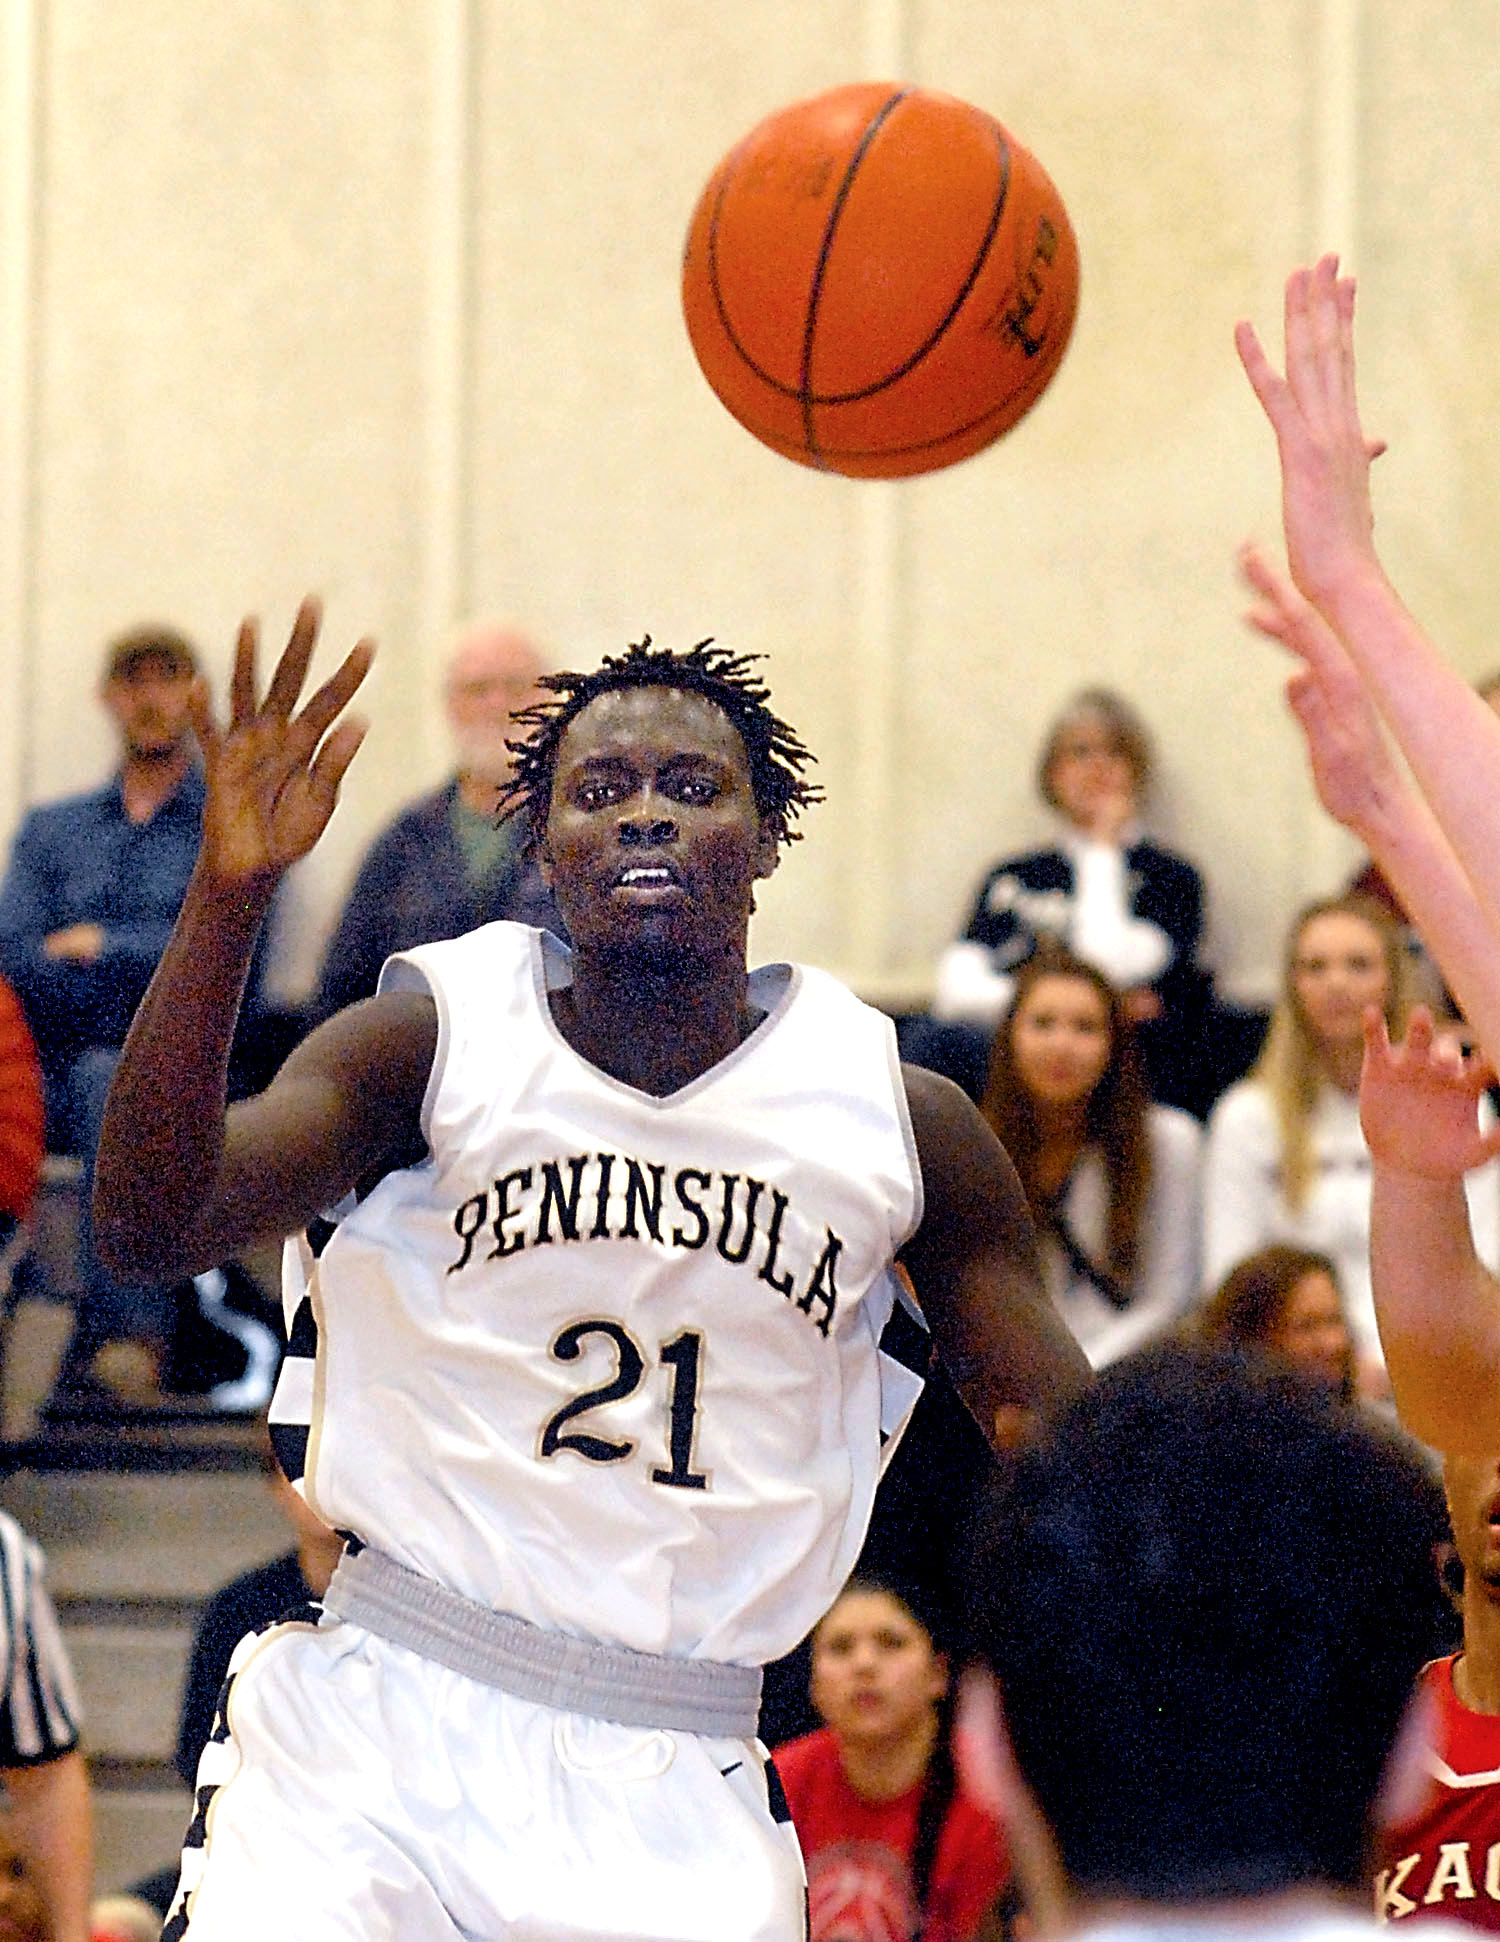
(976, 270)
(802, 392)
(728, 171)
(877, 454)
(810, 234)
(815, 291)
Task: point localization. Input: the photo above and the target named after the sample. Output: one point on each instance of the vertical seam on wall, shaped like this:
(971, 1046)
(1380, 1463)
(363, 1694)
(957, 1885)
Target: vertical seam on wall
(881, 617)
(1337, 159)
(1324, 851)
(448, 563)
(20, 171)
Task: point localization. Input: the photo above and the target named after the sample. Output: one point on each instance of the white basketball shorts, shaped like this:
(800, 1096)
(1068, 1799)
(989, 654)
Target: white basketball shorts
(353, 1790)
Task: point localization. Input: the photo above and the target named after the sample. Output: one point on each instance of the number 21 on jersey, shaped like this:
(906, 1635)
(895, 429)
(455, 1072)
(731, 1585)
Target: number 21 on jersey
(682, 1358)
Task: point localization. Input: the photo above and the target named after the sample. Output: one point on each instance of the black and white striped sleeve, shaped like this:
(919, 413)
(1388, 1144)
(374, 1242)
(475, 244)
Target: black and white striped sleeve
(39, 1711)
(289, 1417)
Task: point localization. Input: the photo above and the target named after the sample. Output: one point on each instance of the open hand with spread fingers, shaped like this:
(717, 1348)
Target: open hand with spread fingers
(1419, 1100)
(1314, 412)
(272, 776)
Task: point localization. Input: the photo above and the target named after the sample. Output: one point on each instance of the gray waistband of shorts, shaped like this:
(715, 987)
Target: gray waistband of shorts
(608, 1682)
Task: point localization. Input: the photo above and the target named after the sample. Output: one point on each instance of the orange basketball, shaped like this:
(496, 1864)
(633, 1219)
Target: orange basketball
(879, 281)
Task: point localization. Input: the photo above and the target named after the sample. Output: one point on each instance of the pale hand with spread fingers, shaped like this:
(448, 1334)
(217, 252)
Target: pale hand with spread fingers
(1419, 1101)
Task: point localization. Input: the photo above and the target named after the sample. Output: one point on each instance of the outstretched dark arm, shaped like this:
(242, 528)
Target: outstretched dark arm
(976, 1269)
(180, 1182)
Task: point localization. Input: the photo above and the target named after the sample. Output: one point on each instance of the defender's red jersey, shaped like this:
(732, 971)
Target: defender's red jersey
(1446, 1861)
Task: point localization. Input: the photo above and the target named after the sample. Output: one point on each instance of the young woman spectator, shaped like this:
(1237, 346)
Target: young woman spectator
(1285, 1158)
(894, 1846)
(1112, 1180)
(1286, 1301)
(1101, 887)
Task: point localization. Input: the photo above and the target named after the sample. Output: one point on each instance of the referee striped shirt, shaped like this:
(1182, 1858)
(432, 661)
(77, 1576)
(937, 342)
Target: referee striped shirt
(39, 1712)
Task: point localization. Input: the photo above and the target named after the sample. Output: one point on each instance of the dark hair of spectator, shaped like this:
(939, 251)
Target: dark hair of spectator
(1115, 1116)
(940, 1782)
(153, 641)
(1248, 1305)
(775, 752)
(1127, 733)
(1206, 1598)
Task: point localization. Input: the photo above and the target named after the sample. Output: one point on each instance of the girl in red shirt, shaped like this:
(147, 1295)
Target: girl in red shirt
(895, 1849)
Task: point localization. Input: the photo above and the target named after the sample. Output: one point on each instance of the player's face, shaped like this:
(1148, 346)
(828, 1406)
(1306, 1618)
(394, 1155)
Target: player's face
(1473, 1487)
(1338, 969)
(23, 1913)
(1060, 1040)
(653, 838)
(1312, 1333)
(875, 1676)
(149, 705)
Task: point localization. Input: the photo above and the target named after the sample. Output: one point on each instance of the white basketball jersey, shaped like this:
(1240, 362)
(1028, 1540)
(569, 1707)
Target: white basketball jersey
(609, 1361)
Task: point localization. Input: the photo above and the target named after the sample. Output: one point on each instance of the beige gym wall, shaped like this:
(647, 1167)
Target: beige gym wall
(380, 298)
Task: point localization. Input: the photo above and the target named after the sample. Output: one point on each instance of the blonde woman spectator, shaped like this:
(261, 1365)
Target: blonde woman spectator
(1286, 1159)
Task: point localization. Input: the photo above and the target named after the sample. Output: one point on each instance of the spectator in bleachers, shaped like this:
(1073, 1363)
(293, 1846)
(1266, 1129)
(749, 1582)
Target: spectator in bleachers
(1105, 890)
(1286, 1158)
(1286, 1301)
(892, 1842)
(23, 1114)
(1112, 1179)
(123, 1918)
(446, 864)
(93, 888)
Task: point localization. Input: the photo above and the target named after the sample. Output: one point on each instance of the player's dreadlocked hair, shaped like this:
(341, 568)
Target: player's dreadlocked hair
(776, 752)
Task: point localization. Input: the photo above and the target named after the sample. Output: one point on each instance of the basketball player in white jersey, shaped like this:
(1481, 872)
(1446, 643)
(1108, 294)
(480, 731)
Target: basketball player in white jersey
(597, 1391)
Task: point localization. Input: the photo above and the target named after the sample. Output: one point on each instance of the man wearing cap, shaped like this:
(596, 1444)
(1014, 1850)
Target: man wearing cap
(446, 864)
(92, 892)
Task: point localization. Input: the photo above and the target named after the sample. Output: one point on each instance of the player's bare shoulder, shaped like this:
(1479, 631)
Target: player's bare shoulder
(973, 1205)
(956, 1149)
(383, 1048)
(347, 1100)
(975, 1265)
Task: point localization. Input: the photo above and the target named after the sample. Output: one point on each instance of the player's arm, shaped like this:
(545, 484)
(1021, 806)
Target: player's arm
(1437, 1304)
(976, 1270)
(179, 1182)
(1449, 736)
(1360, 785)
(51, 1807)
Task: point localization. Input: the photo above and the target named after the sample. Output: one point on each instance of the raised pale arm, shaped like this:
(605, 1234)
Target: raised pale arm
(1447, 734)
(1437, 1304)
